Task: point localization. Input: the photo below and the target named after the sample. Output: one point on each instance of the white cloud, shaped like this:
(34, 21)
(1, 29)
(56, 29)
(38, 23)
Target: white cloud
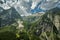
(34, 3)
(8, 4)
(21, 6)
(45, 4)
(21, 9)
(27, 0)
(49, 4)
(5, 6)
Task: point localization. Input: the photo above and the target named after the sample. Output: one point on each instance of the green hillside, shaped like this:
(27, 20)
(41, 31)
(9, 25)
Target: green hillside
(45, 27)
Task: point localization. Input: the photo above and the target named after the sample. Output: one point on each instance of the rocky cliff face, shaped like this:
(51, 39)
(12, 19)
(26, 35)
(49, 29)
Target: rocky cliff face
(54, 16)
(48, 25)
(49, 22)
(9, 16)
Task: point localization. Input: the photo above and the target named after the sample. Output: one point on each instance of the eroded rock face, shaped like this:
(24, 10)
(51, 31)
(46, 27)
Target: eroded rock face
(57, 21)
(44, 24)
(54, 16)
(50, 21)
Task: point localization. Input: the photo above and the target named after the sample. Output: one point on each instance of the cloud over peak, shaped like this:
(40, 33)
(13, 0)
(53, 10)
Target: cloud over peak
(24, 7)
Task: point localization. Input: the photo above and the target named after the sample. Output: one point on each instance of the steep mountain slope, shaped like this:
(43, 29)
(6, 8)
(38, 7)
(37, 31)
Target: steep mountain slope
(9, 16)
(48, 26)
(54, 16)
